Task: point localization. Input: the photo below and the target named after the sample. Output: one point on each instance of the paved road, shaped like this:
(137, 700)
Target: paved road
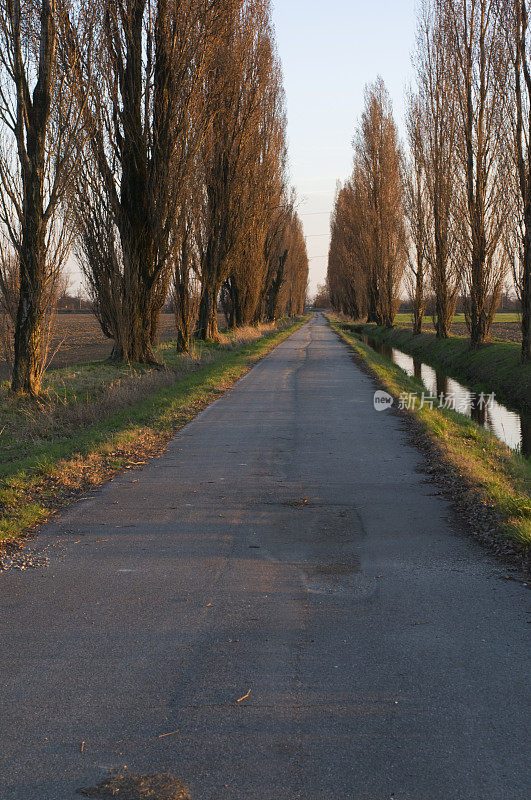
(286, 544)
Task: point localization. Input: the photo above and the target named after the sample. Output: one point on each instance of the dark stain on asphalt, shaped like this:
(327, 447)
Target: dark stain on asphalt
(138, 787)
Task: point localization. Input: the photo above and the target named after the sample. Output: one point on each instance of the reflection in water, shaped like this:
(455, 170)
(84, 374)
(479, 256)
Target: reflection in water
(526, 434)
(441, 383)
(478, 411)
(510, 427)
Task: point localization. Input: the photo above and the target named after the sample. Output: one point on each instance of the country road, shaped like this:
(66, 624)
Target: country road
(289, 546)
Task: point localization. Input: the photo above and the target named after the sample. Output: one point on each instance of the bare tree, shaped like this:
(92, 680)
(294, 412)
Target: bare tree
(368, 250)
(262, 197)
(416, 212)
(347, 274)
(378, 174)
(243, 70)
(293, 292)
(478, 58)
(515, 14)
(186, 286)
(277, 248)
(321, 298)
(238, 212)
(39, 127)
(148, 120)
(436, 119)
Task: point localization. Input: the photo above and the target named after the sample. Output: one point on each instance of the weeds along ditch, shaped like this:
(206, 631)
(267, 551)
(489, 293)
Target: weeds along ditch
(510, 426)
(492, 479)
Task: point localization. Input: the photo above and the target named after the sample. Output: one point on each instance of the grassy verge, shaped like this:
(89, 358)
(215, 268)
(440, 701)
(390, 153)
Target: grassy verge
(96, 419)
(495, 367)
(489, 473)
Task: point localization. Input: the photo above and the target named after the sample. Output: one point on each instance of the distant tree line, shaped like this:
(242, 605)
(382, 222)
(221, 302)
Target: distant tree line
(451, 217)
(149, 138)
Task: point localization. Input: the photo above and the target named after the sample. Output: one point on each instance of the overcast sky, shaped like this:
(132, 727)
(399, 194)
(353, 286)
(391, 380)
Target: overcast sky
(329, 50)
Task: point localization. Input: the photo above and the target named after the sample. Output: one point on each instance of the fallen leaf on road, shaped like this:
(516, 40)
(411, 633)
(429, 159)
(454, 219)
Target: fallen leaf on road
(162, 735)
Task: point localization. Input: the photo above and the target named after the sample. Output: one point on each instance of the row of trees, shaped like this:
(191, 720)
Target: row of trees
(368, 245)
(454, 214)
(148, 136)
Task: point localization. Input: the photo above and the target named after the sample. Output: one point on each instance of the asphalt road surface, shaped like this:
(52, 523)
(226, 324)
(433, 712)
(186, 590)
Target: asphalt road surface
(287, 545)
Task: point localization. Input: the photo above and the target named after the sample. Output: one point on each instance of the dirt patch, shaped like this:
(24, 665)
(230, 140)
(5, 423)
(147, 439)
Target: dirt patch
(138, 787)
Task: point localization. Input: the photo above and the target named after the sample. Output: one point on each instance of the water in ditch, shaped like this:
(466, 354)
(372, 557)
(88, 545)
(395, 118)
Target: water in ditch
(510, 427)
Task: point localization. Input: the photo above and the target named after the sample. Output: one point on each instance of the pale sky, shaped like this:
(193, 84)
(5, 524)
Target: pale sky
(329, 50)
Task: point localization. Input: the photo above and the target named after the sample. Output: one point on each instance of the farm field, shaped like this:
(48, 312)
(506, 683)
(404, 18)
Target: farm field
(78, 338)
(506, 326)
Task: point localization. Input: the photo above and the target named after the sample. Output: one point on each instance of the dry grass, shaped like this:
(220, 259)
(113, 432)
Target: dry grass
(246, 334)
(86, 401)
(79, 397)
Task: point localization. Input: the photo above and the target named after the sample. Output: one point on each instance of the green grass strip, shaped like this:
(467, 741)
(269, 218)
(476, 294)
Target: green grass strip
(37, 483)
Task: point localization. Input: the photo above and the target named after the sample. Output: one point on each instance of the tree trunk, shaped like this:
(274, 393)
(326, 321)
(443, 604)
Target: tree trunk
(271, 306)
(28, 367)
(31, 131)
(182, 317)
(478, 327)
(478, 316)
(135, 334)
(418, 300)
(117, 353)
(207, 323)
(373, 314)
(140, 339)
(526, 292)
(418, 308)
(443, 311)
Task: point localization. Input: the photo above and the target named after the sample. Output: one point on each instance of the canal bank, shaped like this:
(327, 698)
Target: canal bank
(493, 480)
(493, 368)
(513, 428)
